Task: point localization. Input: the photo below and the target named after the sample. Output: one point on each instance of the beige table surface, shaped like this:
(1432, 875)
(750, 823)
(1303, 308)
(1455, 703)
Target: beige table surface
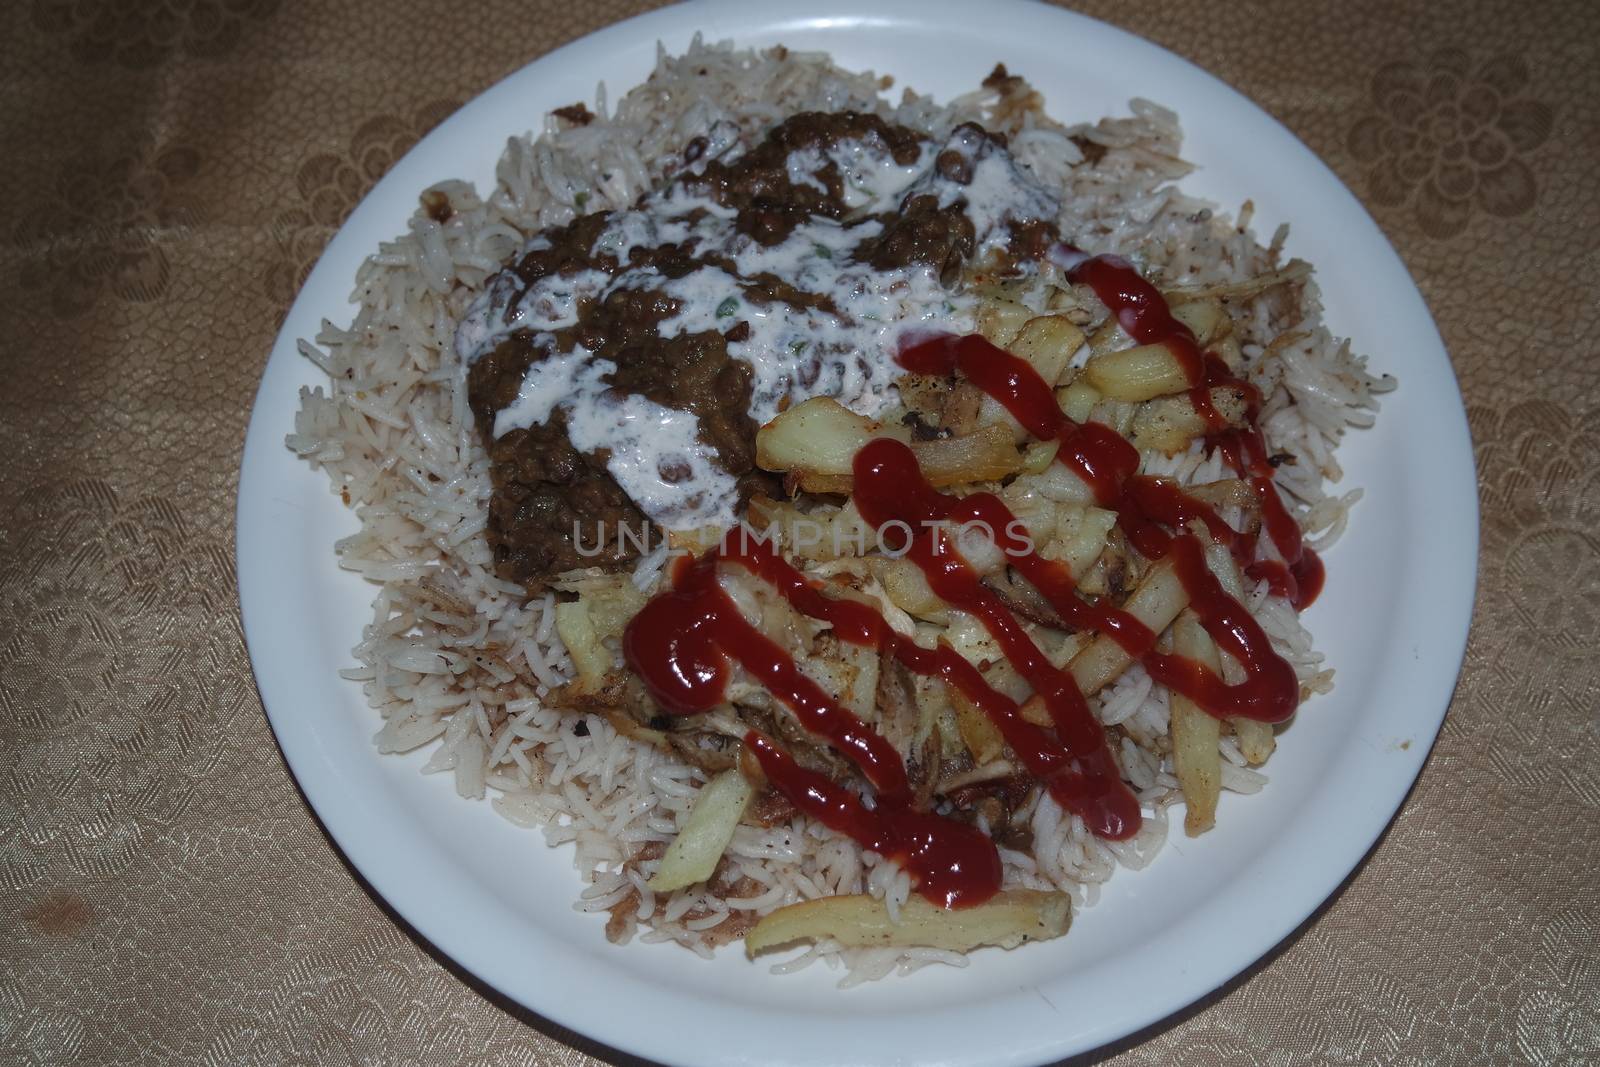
(171, 169)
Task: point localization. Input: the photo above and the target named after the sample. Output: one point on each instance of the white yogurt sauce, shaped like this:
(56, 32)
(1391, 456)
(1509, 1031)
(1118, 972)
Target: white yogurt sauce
(548, 304)
(1000, 191)
(655, 453)
(873, 181)
(848, 352)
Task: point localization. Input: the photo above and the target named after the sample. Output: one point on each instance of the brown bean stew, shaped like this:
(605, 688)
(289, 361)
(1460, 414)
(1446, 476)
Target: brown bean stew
(681, 302)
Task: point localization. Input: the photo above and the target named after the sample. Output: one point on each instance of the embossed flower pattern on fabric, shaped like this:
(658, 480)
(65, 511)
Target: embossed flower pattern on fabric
(1539, 471)
(1449, 138)
(141, 33)
(330, 185)
(121, 610)
(108, 230)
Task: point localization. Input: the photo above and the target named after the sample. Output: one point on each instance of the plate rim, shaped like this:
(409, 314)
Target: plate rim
(567, 1010)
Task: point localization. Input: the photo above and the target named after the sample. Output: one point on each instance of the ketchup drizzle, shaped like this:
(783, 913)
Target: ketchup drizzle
(1100, 455)
(889, 485)
(681, 641)
(1144, 314)
(1106, 462)
(670, 644)
(953, 864)
(1299, 577)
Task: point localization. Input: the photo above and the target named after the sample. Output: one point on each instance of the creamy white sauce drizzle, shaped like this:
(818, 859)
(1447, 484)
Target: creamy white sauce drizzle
(803, 165)
(800, 353)
(655, 453)
(504, 308)
(872, 180)
(1000, 191)
(846, 352)
(662, 218)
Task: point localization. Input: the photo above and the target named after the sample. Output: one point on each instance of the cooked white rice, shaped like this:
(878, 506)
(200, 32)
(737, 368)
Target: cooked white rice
(456, 660)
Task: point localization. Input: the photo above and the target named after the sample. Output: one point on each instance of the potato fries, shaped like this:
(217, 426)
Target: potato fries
(1007, 920)
(1195, 733)
(692, 857)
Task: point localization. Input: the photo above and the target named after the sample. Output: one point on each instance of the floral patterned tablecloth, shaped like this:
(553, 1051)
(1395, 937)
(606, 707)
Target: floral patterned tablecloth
(172, 169)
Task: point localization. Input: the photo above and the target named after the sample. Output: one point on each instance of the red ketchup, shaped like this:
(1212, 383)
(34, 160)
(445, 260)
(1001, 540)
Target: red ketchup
(952, 863)
(682, 643)
(1143, 313)
(1106, 462)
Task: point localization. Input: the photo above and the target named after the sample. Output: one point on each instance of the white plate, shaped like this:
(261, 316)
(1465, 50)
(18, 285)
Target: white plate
(1393, 620)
